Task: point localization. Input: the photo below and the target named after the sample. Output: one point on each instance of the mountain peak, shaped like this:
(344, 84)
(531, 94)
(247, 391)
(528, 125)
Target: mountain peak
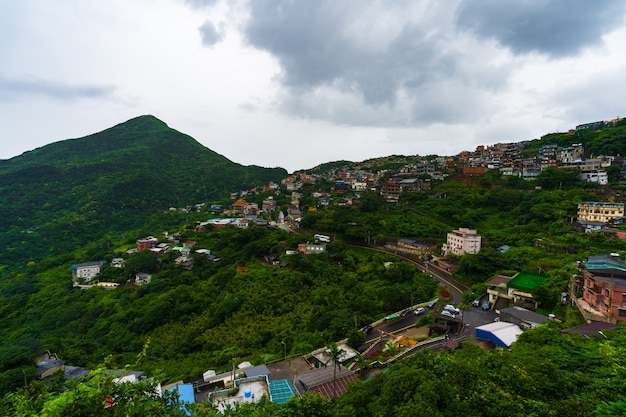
(144, 123)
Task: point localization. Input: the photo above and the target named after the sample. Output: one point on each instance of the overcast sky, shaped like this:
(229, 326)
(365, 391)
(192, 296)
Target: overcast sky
(297, 83)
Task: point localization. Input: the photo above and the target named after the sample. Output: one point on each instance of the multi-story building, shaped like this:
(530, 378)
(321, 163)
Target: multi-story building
(411, 246)
(146, 243)
(594, 175)
(604, 288)
(595, 211)
(462, 241)
(269, 205)
(312, 248)
(87, 272)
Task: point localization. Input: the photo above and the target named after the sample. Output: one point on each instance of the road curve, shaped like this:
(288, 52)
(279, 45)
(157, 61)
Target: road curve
(444, 277)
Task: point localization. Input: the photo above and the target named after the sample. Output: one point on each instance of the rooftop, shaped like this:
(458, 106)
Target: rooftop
(500, 280)
(501, 333)
(524, 315)
(527, 281)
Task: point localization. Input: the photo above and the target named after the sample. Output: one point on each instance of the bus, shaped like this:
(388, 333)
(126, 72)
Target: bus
(322, 238)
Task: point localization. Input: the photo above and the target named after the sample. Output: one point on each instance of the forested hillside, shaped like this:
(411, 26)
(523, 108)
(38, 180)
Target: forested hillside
(188, 321)
(60, 197)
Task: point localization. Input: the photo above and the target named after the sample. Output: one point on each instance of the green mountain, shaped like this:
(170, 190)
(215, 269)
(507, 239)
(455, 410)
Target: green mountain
(77, 189)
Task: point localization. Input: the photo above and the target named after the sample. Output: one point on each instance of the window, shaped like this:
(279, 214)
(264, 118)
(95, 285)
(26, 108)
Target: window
(621, 312)
(623, 297)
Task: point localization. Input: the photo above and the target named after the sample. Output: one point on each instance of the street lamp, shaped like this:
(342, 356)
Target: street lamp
(284, 350)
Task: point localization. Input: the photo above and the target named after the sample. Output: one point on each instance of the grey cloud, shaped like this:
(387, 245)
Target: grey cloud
(404, 80)
(201, 3)
(210, 34)
(11, 88)
(553, 27)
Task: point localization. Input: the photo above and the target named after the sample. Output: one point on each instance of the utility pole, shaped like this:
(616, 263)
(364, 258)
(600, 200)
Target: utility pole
(234, 372)
(284, 350)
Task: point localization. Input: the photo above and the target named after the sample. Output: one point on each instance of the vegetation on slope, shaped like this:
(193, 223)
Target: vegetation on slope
(65, 194)
(543, 374)
(243, 308)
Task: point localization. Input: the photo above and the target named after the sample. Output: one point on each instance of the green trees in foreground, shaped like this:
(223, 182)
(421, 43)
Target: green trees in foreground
(544, 373)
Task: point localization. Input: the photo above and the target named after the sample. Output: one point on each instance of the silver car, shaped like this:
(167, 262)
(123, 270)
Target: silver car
(446, 313)
(452, 309)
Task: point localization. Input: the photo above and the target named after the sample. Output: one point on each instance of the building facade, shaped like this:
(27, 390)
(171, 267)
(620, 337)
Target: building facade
(412, 247)
(604, 286)
(312, 248)
(595, 211)
(462, 241)
(85, 273)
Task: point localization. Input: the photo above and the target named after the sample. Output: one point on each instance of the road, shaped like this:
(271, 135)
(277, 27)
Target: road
(443, 277)
(471, 317)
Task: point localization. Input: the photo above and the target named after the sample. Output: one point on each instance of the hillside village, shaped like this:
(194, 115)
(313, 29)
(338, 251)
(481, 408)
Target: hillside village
(597, 285)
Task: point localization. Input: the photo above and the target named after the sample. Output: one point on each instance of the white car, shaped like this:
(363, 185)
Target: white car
(446, 313)
(452, 309)
(419, 310)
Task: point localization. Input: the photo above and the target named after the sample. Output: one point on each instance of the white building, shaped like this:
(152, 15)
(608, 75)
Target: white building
(462, 241)
(594, 175)
(85, 273)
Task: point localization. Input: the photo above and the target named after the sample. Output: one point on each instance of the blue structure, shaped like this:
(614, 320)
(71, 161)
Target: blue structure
(185, 393)
(500, 333)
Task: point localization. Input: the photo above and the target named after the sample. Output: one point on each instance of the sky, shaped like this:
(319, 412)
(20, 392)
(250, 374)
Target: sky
(293, 84)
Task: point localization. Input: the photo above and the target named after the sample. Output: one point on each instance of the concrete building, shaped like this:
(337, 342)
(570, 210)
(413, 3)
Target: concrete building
(412, 247)
(595, 211)
(517, 290)
(604, 286)
(462, 241)
(312, 248)
(85, 273)
(594, 175)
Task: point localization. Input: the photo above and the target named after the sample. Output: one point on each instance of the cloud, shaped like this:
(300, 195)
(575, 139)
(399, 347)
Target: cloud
(552, 27)
(201, 3)
(210, 34)
(376, 64)
(15, 88)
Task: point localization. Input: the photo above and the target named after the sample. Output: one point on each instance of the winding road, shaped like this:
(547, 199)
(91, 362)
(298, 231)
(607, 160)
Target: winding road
(442, 276)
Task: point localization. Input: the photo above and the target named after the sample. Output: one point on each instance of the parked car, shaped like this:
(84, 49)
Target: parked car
(368, 329)
(447, 313)
(485, 305)
(452, 309)
(419, 310)
(432, 303)
(405, 313)
(476, 303)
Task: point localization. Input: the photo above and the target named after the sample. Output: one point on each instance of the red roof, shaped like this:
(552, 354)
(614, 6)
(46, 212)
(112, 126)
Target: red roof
(499, 280)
